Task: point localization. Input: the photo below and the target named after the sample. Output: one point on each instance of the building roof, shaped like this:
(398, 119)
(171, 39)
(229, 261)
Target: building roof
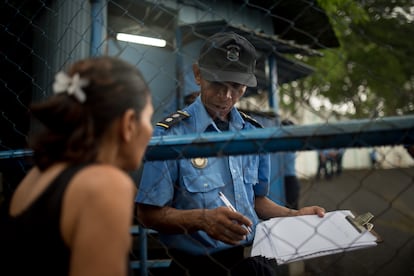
(303, 21)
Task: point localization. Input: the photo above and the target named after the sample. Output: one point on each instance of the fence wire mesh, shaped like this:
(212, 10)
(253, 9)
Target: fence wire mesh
(341, 71)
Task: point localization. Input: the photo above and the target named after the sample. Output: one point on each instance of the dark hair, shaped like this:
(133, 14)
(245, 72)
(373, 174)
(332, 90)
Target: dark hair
(71, 129)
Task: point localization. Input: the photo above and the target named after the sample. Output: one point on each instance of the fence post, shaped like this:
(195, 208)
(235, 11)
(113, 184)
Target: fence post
(99, 22)
(143, 250)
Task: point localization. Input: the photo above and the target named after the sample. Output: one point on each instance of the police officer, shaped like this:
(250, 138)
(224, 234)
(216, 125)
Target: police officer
(180, 198)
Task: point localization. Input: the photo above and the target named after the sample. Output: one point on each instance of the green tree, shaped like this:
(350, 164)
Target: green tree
(372, 72)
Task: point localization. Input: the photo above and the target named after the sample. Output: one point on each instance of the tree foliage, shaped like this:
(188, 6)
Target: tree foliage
(372, 72)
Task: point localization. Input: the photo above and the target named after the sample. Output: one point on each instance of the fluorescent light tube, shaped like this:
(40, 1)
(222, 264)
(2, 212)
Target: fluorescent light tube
(141, 40)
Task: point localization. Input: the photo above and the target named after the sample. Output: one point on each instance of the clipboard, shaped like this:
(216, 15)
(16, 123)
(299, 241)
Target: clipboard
(363, 223)
(289, 239)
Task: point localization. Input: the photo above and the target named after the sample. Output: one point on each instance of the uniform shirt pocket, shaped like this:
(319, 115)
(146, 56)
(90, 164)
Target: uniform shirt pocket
(201, 191)
(250, 176)
(203, 183)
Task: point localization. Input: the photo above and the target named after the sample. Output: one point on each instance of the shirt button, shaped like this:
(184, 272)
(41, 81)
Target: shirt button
(205, 185)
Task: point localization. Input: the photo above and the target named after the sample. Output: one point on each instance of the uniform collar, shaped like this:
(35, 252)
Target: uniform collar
(204, 120)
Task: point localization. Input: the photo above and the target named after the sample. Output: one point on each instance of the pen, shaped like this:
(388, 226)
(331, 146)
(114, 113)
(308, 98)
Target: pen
(229, 205)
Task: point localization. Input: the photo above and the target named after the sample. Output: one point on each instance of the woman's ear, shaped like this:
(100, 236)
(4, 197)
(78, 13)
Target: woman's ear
(128, 125)
(197, 74)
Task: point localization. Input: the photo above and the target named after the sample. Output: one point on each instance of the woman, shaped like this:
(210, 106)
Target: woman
(71, 214)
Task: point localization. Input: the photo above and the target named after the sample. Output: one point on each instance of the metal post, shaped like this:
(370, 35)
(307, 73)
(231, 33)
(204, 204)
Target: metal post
(273, 92)
(277, 191)
(143, 251)
(98, 20)
(179, 67)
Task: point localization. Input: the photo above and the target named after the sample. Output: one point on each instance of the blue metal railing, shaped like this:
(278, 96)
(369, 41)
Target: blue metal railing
(143, 264)
(353, 133)
(347, 134)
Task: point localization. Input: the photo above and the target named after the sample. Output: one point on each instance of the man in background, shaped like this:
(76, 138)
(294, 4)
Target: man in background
(291, 181)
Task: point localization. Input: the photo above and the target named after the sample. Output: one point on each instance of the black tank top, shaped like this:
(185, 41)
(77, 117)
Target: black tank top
(31, 243)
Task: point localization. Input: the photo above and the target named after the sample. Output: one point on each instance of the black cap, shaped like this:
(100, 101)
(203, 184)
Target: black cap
(228, 57)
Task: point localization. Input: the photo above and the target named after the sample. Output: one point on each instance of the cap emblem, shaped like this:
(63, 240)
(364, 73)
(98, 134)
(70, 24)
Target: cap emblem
(233, 52)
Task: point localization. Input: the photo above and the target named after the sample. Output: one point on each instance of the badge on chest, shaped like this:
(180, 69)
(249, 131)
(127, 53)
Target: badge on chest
(199, 162)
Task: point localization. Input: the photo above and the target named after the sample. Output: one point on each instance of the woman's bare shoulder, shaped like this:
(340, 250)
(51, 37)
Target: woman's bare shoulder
(98, 179)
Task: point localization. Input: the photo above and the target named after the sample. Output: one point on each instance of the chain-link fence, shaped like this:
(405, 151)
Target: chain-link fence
(341, 71)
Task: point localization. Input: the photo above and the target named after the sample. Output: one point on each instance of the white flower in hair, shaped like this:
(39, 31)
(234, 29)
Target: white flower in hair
(71, 85)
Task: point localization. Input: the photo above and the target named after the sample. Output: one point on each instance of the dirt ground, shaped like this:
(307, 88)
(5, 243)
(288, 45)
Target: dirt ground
(389, 195)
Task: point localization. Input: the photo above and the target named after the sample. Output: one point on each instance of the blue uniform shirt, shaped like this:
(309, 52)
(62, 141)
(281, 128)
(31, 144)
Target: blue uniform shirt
(186, 184)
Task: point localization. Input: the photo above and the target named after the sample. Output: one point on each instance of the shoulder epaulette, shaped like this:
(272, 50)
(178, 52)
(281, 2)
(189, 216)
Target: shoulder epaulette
(251, 120)
(173, 119)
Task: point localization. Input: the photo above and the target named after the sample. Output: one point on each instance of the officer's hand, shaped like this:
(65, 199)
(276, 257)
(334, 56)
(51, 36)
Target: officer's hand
(226, 225)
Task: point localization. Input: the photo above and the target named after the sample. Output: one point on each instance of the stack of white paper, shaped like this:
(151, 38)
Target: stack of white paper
(289, 239)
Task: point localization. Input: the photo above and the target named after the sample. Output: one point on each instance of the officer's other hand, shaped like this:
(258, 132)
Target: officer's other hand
(311, 210)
